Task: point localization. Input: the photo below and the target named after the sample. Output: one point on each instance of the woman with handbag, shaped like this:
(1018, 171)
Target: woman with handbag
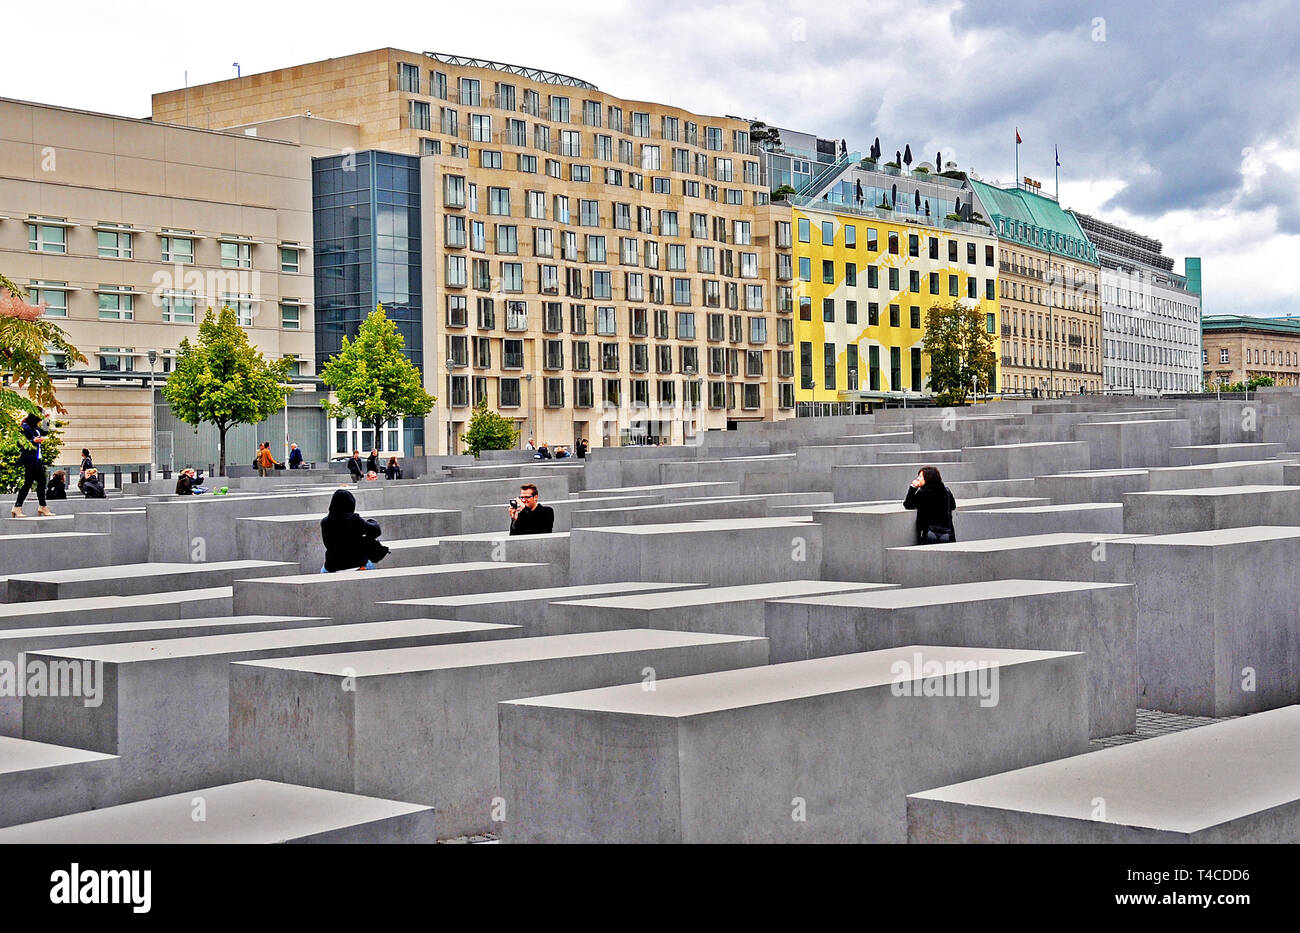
(933, 503)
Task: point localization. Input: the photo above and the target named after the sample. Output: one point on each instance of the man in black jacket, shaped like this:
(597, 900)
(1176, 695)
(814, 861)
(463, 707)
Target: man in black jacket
(354, 466)
(528, 516)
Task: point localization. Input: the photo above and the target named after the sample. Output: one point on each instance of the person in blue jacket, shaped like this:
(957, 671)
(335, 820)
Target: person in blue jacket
(33, 466)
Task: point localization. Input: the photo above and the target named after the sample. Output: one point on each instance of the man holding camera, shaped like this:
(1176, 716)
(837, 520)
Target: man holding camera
(528, 516)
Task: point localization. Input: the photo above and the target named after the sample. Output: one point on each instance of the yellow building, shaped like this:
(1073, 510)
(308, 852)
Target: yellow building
(863, 286)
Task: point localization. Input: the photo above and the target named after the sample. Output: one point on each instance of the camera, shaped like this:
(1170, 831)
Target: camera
(514, 503)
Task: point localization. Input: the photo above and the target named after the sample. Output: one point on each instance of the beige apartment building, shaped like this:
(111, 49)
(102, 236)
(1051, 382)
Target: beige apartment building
(129, 229)
(592, 266)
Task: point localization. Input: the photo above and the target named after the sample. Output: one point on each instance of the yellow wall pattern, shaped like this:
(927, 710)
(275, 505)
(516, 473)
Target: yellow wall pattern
(812, 245)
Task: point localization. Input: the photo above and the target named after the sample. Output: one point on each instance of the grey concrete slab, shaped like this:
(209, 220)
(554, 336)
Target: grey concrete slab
(53, 550)
(39, 781)
(1244, 473)
(926, 456)
(883, 481)
(466, 494)
(855, 538)
(250, 812)
(1090, 486)
(164, 705)
(1099, 619)
(1061, 556)
(1222, 453)
(726, 610)
(819, 459)
(138, 579)
(34, 524)
(1086, 517)
(179, 604)
(412, 552)
(421, 723)
(352, 595)
(552, 549)
(297, 538)
(987, 488)
(738, 551)
(128, 527)
(836, 743)
(1118, 445)
(1218, 632)
(525, 608)
(1024, 461)
(1174, 511)
(679, 511)
(16, 642)
(669, 491)
(1230, 782)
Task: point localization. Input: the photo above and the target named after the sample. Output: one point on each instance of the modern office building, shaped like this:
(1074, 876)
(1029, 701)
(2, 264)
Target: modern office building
(127, 230)
(1051, 325)
(590, 266)
(1238, 347)
(1151, 316)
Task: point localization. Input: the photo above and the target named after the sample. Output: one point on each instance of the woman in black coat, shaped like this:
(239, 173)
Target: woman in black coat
(350, 540)
(58, 486)
(933, 504)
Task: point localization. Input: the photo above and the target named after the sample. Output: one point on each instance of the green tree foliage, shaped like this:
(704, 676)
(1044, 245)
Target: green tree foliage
(11, 445)
(25, 336)
(224, 380)
(761, 134)
(372, 379)
(960, 347)
(488, 430)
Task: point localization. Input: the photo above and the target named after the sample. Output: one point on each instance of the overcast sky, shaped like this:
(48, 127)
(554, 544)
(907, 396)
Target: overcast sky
(1178, 119)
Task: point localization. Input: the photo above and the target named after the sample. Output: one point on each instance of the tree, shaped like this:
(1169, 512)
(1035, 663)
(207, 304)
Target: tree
(372, 378)
(760, 134)
(25, 337)
(224, 380)
(487, 430)
(960, 347)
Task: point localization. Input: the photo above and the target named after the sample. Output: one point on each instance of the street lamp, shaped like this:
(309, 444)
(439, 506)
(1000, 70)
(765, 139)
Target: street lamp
(153, 414)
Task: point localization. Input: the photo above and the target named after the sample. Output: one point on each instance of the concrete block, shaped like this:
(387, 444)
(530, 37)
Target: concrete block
(1118, 445)
(352, 595)
(164, 707)
(1218, 633)
(1222, 453)
(251, 812)
(719, 757)
(1091, 486)
(1023, 461)
(1061, 556)
(138, 579)
(129, 530)
(55, 550)
(886, 481)
(669, 512)
(525, 608)
(297, 538)
(466, 494)
(1174, 511)
(421, 724)
(668, 491)
(987, 488)
(724, 610)
(1246, 473)
(1229, 782)
(820, 459)
(39, 781)
(739, 551)
(411, 552)
(496, 517)
(16, 642)
(1085, 517)
(552, 549)
(178, 604)
(1099, 619)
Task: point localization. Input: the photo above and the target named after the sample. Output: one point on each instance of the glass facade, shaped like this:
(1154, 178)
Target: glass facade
(366, 224)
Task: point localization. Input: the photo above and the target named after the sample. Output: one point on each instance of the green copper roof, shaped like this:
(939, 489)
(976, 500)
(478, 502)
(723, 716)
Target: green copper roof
(1035, 221)
(1224, 322)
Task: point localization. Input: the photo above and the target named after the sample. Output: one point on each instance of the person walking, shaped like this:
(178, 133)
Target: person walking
(33, 466)
(265, 460)
(351, 542)
(86, 461)
(372, 462)
(933, 503)
(295, 457)
(354, 466)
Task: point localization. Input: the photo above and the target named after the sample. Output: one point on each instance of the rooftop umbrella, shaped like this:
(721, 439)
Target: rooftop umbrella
(938, 165)
(918, 200)
(907, 156)
(894, 195)
(857, 190)
(875, 148)
(898, 157)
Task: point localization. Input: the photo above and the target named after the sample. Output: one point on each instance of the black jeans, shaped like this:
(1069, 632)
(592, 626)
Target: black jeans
(32, 474)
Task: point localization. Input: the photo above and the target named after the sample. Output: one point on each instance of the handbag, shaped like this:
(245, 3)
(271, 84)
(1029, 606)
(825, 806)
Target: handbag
(937, 534)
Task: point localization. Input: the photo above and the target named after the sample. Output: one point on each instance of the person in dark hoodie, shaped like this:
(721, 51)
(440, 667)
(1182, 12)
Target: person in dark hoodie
(934, 505)
(92, 487)
(58, 485)
(351, 542)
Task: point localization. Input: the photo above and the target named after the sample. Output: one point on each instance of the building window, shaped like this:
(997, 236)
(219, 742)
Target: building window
(408, 78)
(115, 306)
(43, 238)
(290, 316)
(177, 249)
(237, 255)
(1223, 356)
(178, 307)
(117, 359)
(419, 115)
(113, 244)
(289, 259)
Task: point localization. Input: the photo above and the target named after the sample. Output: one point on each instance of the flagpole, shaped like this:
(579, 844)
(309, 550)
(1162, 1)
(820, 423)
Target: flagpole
(1017, 157)
(1058, 174)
